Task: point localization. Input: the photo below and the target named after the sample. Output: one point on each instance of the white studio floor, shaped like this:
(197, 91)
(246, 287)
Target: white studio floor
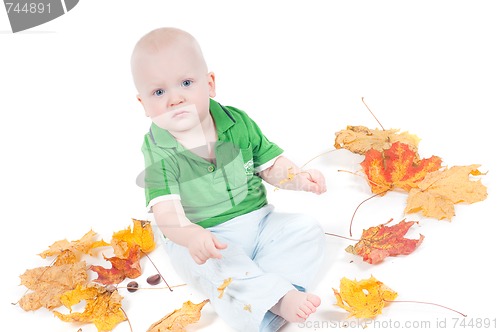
(71, 132)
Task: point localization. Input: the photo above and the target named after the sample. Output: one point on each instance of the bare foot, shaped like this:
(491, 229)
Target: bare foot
(296, 306)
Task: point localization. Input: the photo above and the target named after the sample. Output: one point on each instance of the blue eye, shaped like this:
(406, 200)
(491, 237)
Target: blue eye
(186, 83)
(159, 92)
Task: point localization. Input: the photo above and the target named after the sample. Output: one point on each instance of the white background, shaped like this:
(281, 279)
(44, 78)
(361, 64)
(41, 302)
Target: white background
(71, 131)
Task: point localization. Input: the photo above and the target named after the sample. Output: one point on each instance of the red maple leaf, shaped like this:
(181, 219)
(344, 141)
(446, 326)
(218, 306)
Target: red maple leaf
(121, 268)
(381, 241)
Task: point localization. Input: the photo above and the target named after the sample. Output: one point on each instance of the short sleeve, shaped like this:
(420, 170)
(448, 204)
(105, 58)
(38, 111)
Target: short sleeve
(263, 149)
(160, 174)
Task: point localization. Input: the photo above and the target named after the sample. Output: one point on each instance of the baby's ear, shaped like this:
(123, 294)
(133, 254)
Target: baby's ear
(140, 100)
(211, 84)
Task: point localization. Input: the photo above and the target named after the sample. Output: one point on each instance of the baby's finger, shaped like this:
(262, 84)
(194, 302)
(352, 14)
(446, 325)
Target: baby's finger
(218, 244)
(318, 182)
(199, 259)
(212, 251)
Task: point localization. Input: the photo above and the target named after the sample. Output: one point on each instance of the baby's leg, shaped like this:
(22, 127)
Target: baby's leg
(246, 300)
(292, 246)
(296, 306)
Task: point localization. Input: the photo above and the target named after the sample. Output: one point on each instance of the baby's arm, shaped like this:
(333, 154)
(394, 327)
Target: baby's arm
(307, 180)
(174, 224)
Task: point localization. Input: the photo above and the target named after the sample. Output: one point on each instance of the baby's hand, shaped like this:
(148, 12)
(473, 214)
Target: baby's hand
(312, 181)
(204, 245)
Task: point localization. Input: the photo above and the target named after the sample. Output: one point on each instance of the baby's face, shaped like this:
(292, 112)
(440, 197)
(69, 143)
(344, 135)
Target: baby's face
(174, 87)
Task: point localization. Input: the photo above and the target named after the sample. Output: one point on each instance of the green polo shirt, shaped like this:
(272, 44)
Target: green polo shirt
(211, 193)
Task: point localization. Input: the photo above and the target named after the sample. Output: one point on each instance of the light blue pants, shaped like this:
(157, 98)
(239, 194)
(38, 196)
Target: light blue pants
(268, 254)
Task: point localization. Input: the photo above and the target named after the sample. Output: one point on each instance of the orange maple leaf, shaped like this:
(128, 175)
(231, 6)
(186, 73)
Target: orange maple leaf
(180, 318)
(121, 268)
(141, 235)
(49, 282)
(360, 139)
(103, 308)
(365, 298)
(436, 195)
(396, 167)
(84, 245)
(381, 241)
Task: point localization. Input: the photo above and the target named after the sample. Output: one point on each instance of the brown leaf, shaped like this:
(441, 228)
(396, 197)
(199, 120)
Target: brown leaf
(84, 245)
(437, 194)
(360, 139)
(49, 282)
(178, 320)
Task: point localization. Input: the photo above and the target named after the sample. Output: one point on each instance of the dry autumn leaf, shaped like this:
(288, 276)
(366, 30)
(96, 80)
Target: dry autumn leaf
(436, 195)
(381, 241)
(180, 318)
(141, 235)
(121, 268)
(66, 257)
(84, 245)
(396, 167)
(365, 298)
(360, 139)
(102, 308)
(49, 282)
(223, 286)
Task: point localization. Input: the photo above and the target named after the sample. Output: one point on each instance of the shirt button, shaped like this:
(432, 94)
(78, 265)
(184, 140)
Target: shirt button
(211, 168)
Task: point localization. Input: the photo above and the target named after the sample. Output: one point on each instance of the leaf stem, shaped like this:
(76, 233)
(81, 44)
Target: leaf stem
(420, 302)
(343, 237)
(317, 156)
(352, 218)
(149, 288)
(161, 275)
(363, 100)
(367, 179)
(128, 320)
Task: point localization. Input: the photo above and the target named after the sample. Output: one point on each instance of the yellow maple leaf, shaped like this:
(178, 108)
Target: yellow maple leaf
(49, 282)
(223, 286)
(103, 308)
(141, 235)
(365, 298)
(359, 139)
(180, 318)
(436, 195)
(84, 245)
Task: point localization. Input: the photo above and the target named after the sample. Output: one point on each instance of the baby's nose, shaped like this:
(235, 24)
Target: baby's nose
(175, 99)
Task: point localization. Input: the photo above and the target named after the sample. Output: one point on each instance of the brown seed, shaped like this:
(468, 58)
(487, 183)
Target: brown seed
(111, 288)
(132, 286)
(154, 279)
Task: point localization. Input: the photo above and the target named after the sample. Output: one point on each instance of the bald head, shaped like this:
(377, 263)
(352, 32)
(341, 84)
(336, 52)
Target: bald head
(167, 39)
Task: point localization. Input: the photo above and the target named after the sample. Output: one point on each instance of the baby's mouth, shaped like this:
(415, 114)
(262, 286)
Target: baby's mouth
(183, 110)
(179, 113)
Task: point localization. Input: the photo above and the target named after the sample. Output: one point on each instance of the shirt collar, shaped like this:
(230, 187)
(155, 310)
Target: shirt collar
(222, 118)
